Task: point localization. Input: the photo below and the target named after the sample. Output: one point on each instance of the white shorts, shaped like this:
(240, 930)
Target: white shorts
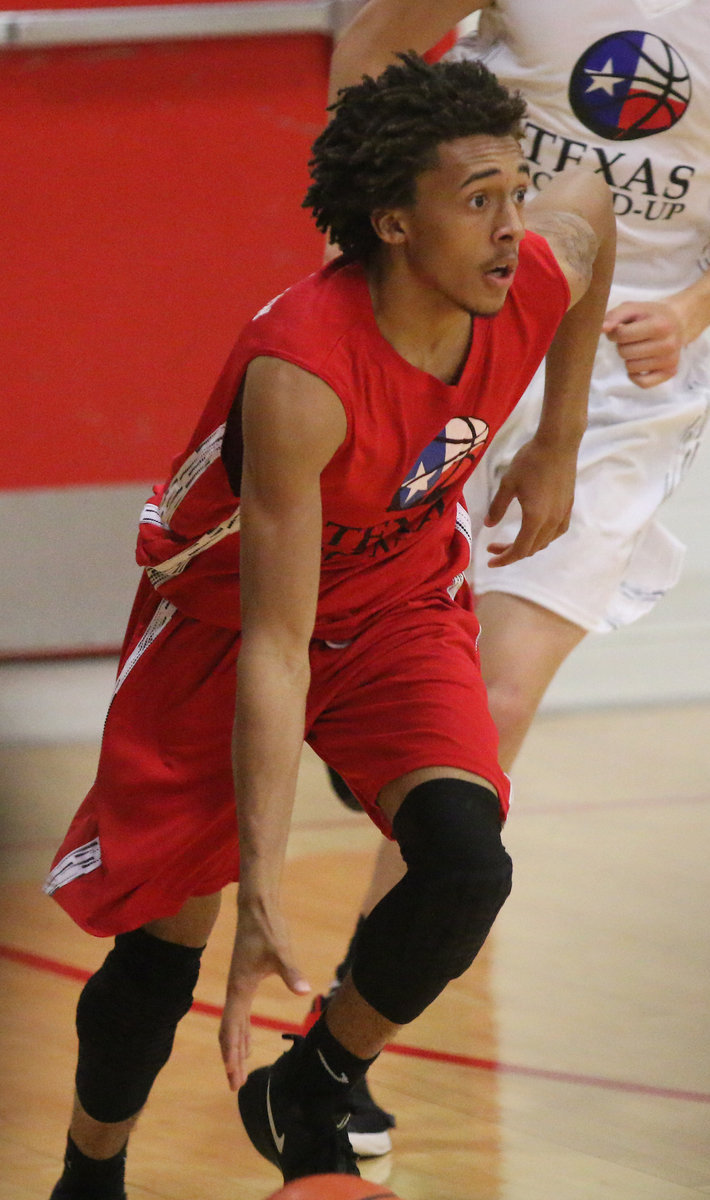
(616, 559)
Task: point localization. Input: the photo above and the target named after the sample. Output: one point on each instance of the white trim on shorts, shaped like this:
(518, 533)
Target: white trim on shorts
(81, 861)
(463, 525)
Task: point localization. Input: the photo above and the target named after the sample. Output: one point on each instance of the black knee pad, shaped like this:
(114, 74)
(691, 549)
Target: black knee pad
(430, 927)
(126, 1020)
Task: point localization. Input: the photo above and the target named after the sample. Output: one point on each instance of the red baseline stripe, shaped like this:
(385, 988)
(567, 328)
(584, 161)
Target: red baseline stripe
(53, 966)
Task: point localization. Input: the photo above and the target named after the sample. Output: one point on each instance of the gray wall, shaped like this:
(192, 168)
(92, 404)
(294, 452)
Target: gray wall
(68, 578)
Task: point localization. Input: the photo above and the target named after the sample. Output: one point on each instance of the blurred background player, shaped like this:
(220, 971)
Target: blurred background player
(621, 87)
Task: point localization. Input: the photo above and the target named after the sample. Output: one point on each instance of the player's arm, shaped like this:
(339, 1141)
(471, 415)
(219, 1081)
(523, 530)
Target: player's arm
(650, 334)
(292, 425)
(382, 28)
(575, 215)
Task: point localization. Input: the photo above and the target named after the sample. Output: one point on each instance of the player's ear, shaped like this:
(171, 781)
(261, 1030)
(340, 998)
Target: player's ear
(388, 225)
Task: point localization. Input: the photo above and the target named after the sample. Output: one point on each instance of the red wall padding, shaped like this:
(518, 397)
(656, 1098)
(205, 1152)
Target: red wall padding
(150, 205)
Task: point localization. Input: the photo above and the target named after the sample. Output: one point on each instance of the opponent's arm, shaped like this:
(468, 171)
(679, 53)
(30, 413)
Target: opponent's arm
(650, 334)
(574, 213)
(292, 425)
(382, 28)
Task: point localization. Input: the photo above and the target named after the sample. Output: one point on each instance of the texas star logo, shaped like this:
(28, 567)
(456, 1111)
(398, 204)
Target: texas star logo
(629, 85)
(444, 459)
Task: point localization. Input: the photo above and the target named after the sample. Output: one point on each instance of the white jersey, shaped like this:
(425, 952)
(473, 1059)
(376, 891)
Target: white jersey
(623, 87)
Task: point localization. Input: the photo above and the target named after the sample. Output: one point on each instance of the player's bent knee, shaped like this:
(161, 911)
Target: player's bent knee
(449, 832)
(126, 1020)
(430, 927)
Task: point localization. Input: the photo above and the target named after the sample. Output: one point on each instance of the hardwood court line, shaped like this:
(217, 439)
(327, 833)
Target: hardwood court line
(53, 966)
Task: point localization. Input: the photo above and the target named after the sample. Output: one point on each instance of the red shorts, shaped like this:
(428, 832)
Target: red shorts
(159, 824)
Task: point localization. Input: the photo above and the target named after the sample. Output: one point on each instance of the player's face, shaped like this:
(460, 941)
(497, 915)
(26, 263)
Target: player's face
(463, 231)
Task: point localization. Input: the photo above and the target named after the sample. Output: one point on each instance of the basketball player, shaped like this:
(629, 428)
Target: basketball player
(304, 575)
(621, 87)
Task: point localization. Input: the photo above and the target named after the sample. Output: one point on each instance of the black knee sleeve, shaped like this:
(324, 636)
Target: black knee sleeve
(430, 927)
(126, 1020)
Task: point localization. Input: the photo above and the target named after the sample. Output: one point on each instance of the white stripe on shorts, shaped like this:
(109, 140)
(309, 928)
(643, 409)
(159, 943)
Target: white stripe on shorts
(78, 862)
(463, 525)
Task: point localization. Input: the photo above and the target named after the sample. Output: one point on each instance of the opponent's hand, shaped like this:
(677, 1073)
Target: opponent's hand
(261, 948)
(649, 336)
(542, 478)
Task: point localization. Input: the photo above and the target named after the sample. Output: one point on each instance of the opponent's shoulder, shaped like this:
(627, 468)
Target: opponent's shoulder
(574, 213)
(568, 240)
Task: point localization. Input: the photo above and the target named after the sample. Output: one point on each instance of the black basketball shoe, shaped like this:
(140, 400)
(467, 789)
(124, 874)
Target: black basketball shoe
(369, 1125)
(298, 1141)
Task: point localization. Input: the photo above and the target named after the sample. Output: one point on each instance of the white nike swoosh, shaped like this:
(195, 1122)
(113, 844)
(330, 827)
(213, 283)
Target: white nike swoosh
(279, 1139)
(338, 1078)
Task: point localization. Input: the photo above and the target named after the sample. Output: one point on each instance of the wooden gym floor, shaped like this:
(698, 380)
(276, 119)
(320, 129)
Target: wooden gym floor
(572, 1061)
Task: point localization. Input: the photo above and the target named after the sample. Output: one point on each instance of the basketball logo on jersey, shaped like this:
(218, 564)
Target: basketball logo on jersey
(629, 85)
(442, 462)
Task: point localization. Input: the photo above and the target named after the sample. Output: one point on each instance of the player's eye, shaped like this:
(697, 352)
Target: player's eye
(520, 194)
(478, 201)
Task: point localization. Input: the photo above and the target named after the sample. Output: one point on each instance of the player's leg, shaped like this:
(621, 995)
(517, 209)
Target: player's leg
(126, 1020)
(158, 824)
(388, 870)
(429, 927)
(422, 934)
(369, 1124)
(522, 646)
(416, 671)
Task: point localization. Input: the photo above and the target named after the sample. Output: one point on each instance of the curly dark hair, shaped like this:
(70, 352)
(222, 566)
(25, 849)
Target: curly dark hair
(384, 132)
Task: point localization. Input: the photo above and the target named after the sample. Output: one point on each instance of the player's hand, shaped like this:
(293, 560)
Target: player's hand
(542, 478)
(261, 948)
(649, 336)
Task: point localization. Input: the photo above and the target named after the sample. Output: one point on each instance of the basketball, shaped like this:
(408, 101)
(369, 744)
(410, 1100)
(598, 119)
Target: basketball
(333, 1187)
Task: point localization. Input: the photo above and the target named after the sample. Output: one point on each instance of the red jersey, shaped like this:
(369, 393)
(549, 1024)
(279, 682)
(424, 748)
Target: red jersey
(393, 524)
